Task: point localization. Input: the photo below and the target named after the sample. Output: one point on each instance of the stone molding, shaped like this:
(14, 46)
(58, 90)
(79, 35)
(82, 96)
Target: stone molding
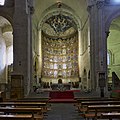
(100, 4)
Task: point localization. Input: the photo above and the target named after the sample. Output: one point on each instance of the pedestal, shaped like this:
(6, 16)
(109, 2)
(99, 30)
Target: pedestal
(17, 88)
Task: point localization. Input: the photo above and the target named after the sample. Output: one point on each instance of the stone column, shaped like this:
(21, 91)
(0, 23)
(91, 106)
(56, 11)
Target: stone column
(22, 42)
(40, 53)
(38, 49)
(79, 51)
(102, 37)
(97, 40)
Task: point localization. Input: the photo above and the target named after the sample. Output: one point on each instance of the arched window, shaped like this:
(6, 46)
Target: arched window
(109, 57)
(2, 2)
(10, 55)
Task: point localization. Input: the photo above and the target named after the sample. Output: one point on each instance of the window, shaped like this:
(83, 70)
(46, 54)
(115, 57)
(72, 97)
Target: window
(2, 2)
(109, 57)
(10, 55)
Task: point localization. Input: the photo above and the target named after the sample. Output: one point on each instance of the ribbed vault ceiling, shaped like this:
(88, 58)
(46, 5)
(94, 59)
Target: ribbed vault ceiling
(78, 8)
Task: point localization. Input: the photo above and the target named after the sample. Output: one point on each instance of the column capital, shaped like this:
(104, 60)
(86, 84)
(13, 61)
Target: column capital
(30, 7)
(107, 1)
(90, 4)
(100, 4)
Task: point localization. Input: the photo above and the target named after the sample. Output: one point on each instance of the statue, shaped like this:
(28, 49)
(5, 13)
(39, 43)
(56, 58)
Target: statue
(60, 85)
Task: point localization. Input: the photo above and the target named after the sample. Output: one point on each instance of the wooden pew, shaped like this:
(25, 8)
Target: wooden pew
(110, 116)
(83, 107)
(84, 102)
(79, 100)
(23, 110)
(39, 104)
(42, 105)
(37, 100)
(98, 109)
(16, 117)
(99, 103)
(45, 99)
(85, 99)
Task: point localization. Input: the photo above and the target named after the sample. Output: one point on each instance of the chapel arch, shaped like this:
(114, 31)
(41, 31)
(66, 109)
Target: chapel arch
(6, 49)
(59, 26)
(113, 30)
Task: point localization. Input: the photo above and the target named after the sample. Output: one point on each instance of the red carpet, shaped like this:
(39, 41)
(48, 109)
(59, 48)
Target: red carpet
(62, 96)
(118, 91)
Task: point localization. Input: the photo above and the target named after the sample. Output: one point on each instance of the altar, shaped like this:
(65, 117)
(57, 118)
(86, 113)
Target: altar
(66, 86)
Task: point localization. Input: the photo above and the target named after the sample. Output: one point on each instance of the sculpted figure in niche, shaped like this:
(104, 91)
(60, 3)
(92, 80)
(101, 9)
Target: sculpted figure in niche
(60, 85)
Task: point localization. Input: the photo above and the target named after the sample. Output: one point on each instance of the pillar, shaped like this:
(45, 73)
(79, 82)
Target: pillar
(98, 59)
(22, 42)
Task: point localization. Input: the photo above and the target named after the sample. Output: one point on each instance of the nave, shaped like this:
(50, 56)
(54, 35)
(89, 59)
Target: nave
(67, 111)
(63, 111)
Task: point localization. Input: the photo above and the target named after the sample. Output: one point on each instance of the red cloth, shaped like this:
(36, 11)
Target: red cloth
(61, 94)
(116, 90)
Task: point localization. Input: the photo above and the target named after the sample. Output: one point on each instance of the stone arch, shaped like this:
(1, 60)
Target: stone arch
(111, 60)
(51, 12)
(110, 52)
(110, 18)
(7, 16)
(64, 10)
(6, 49)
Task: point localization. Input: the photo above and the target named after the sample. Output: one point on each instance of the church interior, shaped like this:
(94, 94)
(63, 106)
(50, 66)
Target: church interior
(60, 51)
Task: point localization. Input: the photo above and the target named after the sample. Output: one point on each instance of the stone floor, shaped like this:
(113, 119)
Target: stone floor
(64, 111)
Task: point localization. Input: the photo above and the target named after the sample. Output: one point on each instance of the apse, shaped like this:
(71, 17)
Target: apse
(60, 49)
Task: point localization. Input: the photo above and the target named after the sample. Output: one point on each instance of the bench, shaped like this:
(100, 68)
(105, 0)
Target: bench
(16, 117)
(88, 99)
(35, 112)
(42, 104)
(94, 111)
(24, 104)
(84, 103)
(110, 116)
(45, 99)
(79, 100)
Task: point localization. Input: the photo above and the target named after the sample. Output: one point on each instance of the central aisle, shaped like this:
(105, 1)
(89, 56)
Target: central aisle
(63, 111)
